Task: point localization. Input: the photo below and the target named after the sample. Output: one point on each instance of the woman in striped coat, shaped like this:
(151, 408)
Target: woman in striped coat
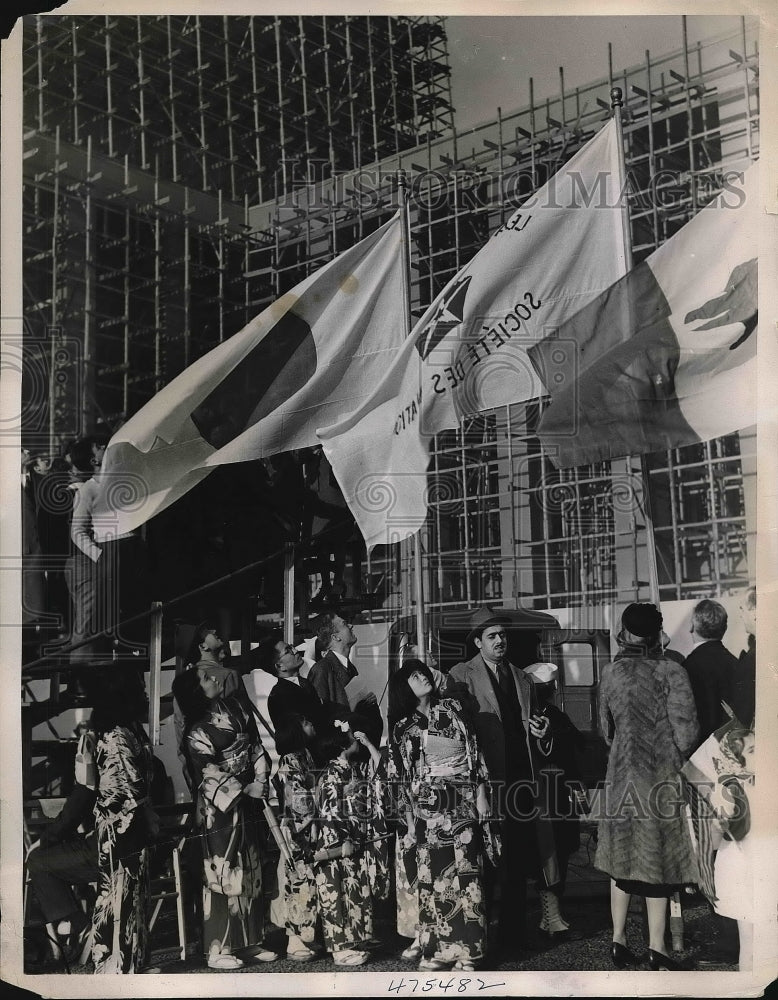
(648, 718)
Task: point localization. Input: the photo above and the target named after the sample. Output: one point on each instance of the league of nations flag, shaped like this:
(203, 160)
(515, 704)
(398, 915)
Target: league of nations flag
(305, 361)
(667, 356)
(468, 352)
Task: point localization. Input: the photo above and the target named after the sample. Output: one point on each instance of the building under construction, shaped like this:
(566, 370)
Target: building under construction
(182, 172)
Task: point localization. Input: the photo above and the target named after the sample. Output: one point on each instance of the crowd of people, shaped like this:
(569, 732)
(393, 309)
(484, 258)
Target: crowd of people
(474, 793)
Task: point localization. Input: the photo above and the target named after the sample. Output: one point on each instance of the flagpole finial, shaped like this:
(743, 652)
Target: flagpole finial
(616, 97)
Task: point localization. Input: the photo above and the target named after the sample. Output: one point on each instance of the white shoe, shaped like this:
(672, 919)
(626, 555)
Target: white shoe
(264, 955)
(413, 952)
(348, 958)
(224, 962)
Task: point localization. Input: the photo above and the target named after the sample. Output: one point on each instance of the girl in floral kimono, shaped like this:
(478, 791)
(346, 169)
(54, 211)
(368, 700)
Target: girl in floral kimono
(296, 772)
(436, 761)
(351, 864)
(124, 820)
(229, 770)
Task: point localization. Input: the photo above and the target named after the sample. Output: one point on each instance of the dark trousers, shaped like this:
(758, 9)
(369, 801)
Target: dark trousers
(88, 594)
(124, 580)
(55, 869)
(506, 887)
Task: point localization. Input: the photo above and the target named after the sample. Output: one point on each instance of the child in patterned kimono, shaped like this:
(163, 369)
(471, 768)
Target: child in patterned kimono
(737, 860)
(436, 761)
(229, 769)
(297, 775)
(351, 863)
(124, 821)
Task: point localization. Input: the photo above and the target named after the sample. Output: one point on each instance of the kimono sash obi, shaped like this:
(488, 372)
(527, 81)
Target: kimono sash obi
(446, 757)
(237, 758)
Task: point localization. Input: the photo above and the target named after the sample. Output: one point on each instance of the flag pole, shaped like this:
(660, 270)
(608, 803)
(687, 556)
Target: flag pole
(418, 576)
(617, 105)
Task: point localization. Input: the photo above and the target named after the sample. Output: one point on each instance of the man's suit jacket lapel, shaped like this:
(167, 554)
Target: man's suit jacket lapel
(482, 684)
(524, 696)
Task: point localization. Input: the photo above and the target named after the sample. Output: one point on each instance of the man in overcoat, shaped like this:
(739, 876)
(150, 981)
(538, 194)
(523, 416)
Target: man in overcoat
(500, 698)
(710, 666)
(332, 673)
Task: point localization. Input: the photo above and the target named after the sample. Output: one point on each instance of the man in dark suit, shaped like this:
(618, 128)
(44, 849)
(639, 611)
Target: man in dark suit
(292, 694)
(501, 700)
(712, 672)
(711, 666)
(744, 683)
(332, 673)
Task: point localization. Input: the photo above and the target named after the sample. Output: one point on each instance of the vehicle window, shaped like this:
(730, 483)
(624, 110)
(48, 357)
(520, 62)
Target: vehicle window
(578, 658)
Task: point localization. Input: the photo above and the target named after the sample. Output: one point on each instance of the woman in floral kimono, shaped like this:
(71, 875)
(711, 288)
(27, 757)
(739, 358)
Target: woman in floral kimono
(436, 761)
(229, 770)
(124, 820)
(351, 863)
(296, 772)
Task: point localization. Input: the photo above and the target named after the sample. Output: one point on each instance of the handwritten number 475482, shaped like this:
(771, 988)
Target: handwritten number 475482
(458, 985)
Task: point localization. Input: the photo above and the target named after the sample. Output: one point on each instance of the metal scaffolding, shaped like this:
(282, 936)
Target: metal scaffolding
(146, 140)
(504, 526)
(246, 106)
(182, 172)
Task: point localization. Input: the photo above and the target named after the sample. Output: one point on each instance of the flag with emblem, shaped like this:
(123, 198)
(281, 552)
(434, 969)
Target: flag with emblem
(468, 351)
(305, 361)
(667, 356)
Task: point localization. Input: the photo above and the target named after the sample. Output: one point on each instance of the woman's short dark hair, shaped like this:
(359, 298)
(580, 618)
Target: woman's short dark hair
(189, 695)
(334, 739)
(368, 722)
(118, 696)
(290, 735)
(402, 701)
(331, 742)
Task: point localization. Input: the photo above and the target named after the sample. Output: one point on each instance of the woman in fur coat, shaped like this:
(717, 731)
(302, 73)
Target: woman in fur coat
(648, 718)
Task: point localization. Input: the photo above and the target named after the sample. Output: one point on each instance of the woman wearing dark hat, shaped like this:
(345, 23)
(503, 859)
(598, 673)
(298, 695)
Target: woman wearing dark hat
(648, 718)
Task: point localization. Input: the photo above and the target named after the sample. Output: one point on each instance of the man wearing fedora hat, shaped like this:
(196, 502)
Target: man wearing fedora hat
(509, 729)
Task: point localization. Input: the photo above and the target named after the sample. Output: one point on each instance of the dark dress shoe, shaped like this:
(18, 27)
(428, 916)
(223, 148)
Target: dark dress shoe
(661, 963)
(622, 957)
(709, 961)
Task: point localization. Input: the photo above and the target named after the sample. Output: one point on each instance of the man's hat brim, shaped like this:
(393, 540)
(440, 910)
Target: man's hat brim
(485, 622)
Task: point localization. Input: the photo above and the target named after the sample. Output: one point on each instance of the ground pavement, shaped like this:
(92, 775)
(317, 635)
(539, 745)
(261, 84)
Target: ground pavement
(586, 907)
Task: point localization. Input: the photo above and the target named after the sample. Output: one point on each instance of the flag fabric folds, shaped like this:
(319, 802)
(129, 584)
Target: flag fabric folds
(667, 356)
(306, 360)
(468, 351)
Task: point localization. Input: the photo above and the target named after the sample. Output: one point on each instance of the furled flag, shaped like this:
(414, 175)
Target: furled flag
(667, 356)
(468, 352)
(306, 360)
